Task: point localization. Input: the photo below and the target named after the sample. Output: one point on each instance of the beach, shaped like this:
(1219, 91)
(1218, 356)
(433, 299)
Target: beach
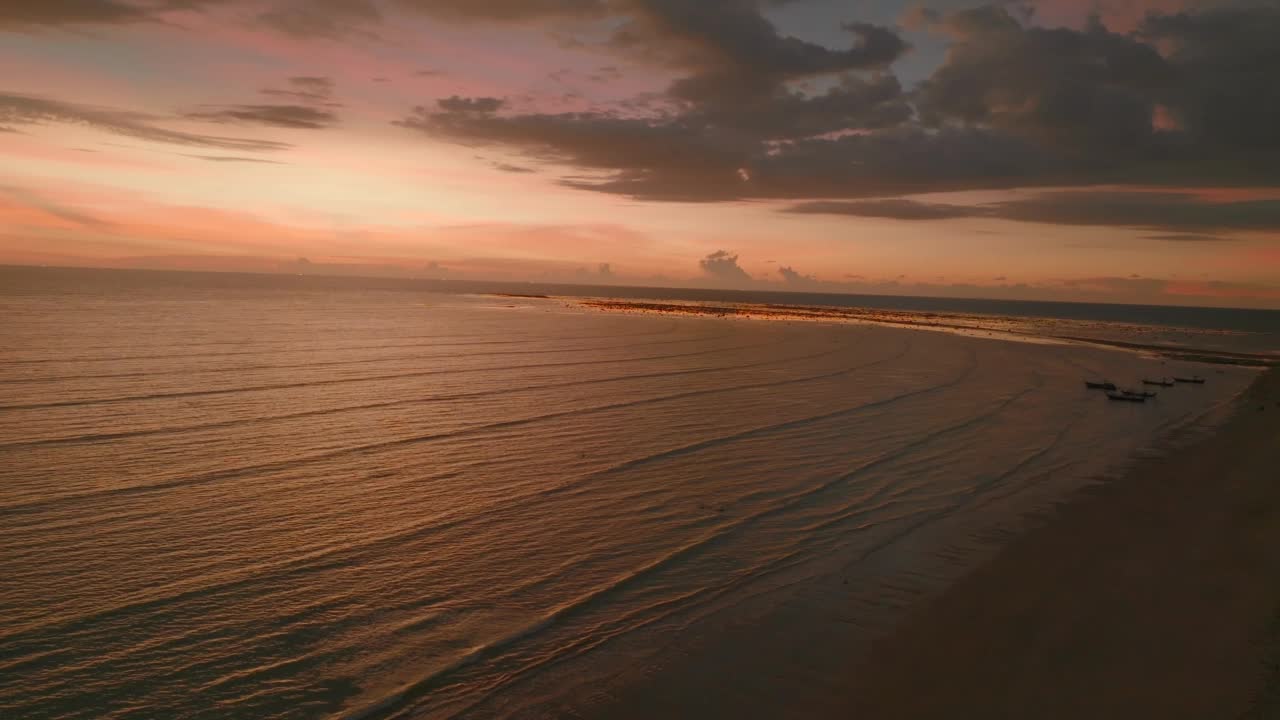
(1154, 595)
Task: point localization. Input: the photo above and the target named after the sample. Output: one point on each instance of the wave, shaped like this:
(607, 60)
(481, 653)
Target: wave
(363, 378)
(344, 363)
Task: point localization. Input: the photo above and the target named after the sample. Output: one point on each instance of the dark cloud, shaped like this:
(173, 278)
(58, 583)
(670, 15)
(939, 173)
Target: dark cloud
(892, 209)
(723, 266)
(301, 117)
(1148, 210)
(326, 19)
(509, 10)
(632, 149)
(30, 110)
(733, 99)
(1171, 211)
(36, 13)
(1090, 93)
(1187, 98)
(1226, 94)
(1188, 238)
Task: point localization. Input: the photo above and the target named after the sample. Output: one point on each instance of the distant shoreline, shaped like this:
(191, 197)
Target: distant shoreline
(968, 324)
(1153, 595)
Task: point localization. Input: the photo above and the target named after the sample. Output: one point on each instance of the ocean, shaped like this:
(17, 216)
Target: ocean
(236, 496)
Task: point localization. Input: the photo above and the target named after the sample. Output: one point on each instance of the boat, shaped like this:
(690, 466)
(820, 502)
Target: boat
(1099, 385)
(1162, 382)
(1194, 379)
(1124, 396)
(1143, 394)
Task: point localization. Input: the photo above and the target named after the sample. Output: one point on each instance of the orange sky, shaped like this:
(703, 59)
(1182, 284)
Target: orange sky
(226, 137)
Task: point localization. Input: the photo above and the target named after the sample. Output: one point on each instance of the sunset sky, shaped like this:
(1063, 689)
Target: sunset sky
(1120, 151)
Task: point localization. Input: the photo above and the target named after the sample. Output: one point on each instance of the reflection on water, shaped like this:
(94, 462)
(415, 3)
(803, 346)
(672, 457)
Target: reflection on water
(280, 502)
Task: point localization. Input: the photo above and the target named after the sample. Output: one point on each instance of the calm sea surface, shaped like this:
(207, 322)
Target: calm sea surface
(258, 497)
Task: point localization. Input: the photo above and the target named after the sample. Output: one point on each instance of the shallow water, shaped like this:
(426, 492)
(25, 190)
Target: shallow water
(270, 501)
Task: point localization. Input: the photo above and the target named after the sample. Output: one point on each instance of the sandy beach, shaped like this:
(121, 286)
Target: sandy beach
(1155, 596)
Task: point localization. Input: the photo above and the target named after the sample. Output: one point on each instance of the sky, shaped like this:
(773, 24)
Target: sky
(1109, 151)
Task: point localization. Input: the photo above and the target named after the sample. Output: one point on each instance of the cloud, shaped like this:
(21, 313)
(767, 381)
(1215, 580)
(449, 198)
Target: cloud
(285, 116)
(305, 88)
(1226, 94)
(796, 279)
(324, 19)
(754, 113)
(234, 159)
(1133, 285)
(723, 266)
(68, 12)
(1188, 237)
(1172, 211)
(55, 209)
(508, 10)
(1149, 210)
(509, 168)
(733, 98)
(892, 209)
(461, 105)
(1090, 92)
(32, 110)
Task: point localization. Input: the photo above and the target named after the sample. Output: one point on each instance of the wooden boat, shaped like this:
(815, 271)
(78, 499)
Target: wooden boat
(1124, 396)
(1162, 382)
(1194, 379)
(1143, 394)
(1099, 385)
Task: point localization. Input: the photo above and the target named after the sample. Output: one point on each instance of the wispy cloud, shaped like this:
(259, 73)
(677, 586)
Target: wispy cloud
(234, 159)
(32, 110)
(1174, 211)
(300, 117)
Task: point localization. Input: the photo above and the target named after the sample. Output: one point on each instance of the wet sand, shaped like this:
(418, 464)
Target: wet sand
(1153, 596)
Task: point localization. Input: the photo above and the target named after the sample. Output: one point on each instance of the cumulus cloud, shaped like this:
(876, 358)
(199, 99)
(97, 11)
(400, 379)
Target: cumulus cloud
(754, 113)
(794, 278)
(722, 265)
(31, 110)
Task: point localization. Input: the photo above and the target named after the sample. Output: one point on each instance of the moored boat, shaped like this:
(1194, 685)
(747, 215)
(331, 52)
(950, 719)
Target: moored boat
(1162, 382)
(1194, 380)
(1124, 396)
(1099, 385)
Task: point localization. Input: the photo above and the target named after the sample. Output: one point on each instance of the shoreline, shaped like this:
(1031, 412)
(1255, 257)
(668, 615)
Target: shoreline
(1017, 329)
(1153, 595)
